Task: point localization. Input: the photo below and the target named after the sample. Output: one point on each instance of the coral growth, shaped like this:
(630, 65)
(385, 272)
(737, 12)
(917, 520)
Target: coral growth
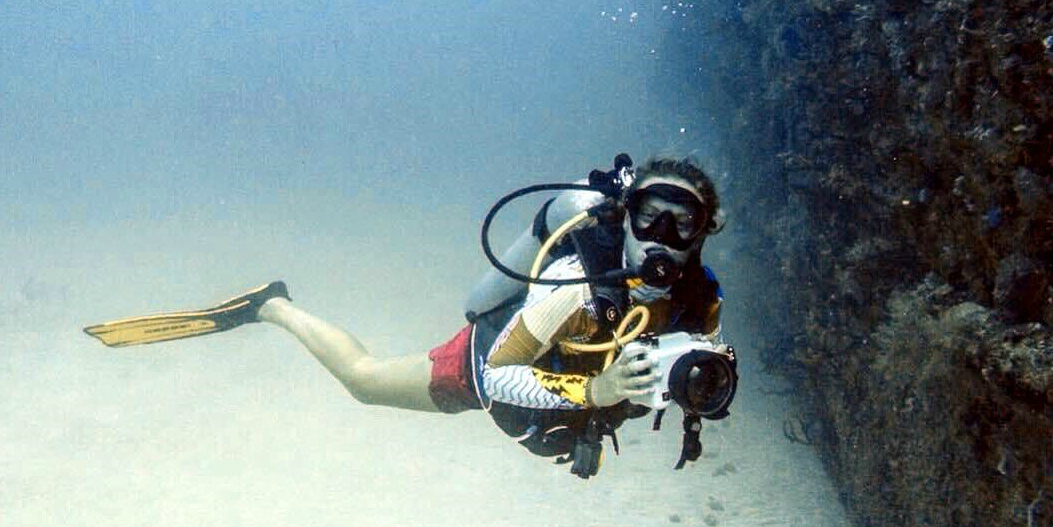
(949, 400)
(894, 166)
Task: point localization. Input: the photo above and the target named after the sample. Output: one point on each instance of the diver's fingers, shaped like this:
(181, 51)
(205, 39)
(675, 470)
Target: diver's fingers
(640, 364)
(643, 381)
(641, 392)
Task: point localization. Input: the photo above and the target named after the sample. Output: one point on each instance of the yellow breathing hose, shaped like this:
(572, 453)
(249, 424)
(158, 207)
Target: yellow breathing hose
(620, 337)
(554, 238)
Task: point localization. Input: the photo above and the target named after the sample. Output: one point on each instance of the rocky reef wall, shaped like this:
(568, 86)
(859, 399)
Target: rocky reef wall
(890, 169)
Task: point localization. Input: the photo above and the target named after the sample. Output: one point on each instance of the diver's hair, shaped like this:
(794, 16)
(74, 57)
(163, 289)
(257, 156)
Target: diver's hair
(688, 170)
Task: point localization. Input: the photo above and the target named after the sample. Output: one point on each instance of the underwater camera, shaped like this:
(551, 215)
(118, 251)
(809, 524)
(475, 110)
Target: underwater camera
(697, 377)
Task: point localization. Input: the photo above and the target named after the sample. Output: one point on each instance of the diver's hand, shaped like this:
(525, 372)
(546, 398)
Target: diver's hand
(628, 376)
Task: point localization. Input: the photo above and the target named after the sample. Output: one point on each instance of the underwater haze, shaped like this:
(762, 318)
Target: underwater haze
(159, 156)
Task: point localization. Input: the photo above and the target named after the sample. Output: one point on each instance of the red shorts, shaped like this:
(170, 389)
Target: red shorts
(451, 386)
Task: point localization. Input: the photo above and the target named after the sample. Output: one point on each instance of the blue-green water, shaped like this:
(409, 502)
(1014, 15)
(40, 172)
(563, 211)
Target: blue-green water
(158, 156)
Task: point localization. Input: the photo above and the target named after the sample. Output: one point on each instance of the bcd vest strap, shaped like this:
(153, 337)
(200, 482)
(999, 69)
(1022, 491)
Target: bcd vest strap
(599, 249)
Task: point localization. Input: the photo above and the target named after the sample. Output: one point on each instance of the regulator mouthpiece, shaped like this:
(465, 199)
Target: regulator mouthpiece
(659, 269)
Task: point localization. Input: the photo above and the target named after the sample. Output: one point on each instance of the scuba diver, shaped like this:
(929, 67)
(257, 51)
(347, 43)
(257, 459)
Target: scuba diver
(553, 354)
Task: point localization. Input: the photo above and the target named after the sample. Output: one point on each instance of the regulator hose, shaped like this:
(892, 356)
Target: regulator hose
(511, 273)
(553, 239)
(622, 335)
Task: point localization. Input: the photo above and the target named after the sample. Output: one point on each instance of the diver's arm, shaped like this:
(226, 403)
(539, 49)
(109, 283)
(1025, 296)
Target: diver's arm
(711, 330)
(521, 385)
(533, 387)
(510, 374)
(495, 287)
(713, 302)
(509, 377)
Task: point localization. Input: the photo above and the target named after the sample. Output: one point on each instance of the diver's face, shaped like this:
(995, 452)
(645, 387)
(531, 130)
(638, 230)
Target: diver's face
(682, 220)
(664, 214)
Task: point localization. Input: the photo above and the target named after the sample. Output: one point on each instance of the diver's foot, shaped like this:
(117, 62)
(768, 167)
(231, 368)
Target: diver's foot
(250, 304)
(239, 310)
(271, 310)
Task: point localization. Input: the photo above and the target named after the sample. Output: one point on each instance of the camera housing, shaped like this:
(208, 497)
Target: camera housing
(695, 375)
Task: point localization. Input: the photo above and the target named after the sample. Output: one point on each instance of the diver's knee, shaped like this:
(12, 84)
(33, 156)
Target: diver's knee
(362, 380)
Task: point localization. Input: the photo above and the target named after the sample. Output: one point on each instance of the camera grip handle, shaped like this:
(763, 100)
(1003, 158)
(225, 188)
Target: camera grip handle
(692, 447)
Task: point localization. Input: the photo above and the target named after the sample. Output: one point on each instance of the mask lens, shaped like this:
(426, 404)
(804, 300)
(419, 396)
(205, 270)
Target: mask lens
(645, 217)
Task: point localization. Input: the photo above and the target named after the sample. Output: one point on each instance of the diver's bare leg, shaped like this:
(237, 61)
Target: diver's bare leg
(400, 382)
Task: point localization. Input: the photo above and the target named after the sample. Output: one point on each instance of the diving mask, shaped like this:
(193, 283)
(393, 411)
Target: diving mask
(666, 214)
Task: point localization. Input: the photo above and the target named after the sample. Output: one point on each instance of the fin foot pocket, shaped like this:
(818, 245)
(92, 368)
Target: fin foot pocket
(242, 309)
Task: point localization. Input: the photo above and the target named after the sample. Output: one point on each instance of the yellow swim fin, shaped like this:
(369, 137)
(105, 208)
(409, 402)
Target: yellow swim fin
(239, 310)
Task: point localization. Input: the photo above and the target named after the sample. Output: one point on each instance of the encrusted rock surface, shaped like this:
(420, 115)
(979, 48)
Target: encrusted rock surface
(890, 166)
